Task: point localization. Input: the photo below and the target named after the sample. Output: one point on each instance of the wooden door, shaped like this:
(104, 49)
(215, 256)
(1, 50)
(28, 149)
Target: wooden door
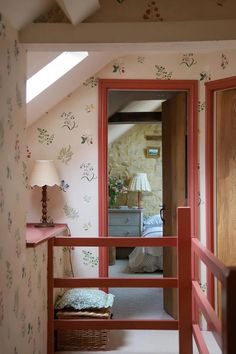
(225, 179)
(174, 162)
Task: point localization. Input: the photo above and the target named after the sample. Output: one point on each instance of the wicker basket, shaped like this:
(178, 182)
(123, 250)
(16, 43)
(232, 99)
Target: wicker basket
(82, 339)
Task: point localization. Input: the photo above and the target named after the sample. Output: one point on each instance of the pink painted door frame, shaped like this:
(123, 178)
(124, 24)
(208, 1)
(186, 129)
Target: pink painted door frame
(191, 87)
(211, 87)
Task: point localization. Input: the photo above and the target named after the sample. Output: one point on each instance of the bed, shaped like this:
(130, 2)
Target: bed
(148, 259)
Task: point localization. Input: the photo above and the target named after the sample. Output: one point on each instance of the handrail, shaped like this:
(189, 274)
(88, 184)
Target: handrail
(182, 282)
(210, 260)
(208, 312)
(223, 331)
(116, 324)
(77, 241)
(115, 282)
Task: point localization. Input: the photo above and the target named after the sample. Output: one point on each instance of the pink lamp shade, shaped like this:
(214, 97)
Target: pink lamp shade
(139, 183)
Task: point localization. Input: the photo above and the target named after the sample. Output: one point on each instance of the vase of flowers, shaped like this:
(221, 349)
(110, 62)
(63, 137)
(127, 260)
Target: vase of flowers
(116, 186)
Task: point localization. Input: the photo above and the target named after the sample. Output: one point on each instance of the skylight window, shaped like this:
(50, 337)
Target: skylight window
(52, 72)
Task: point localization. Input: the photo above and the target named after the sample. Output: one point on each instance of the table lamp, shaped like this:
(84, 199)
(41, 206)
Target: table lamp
(44, 174)
(139, 183)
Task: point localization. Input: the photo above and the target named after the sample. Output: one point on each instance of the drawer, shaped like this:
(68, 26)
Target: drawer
(124, 231)
(124, 219)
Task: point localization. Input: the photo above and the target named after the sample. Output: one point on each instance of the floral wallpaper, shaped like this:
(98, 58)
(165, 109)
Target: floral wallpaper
(23, 298)
(75, 150)
(23, 271)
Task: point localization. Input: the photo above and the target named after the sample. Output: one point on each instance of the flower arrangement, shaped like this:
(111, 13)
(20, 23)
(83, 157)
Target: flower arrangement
(116, 186)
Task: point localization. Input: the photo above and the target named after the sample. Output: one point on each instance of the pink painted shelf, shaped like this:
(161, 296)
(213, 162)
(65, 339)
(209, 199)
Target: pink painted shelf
(36, 235)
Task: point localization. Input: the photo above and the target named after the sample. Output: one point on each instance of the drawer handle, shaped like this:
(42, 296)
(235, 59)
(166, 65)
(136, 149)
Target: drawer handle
(127, 220)
(127, 233)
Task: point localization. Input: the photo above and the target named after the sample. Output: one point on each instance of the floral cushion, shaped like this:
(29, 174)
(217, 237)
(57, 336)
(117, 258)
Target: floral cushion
(79, 299)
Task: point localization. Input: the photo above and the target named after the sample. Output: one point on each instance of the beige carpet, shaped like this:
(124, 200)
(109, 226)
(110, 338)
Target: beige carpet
(142, 303)
(147, 342)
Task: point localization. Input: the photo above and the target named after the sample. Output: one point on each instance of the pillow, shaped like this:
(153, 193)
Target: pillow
(79, 299)
(154, 220)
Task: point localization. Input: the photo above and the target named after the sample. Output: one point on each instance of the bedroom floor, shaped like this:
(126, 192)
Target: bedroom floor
(141, 303)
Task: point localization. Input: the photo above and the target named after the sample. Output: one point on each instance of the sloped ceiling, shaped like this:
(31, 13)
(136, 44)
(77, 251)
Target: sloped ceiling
(66, 84)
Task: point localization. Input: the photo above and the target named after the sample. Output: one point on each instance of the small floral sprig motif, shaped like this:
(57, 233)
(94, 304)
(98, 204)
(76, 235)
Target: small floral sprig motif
(188, 60)
(89, 108)
(18, 243)
(201, 106)
(2, 28)
(8, 62)
(87, 226)
(18, 96)
(86, 138)
(1, 134)
(162, 73)
(152, 12)
(9, 221)
(23, 272)
(89, 259)
(9, 173)
(23, 323)
(28, 152)
(203, 286)
(44, 137)
(30, 332)
(118, 67)
(16, 303)
(9, 275)
(87, 171)
(92, 82)
(87, 198)
(205, 76)
(65, 155)
(1, 200)
(140, 59)
(9, 112)
(16, 49)
(29, 285)
(17, 149)
(1, 309)
(25, 175)
(64, 186)
(70, 121)
(199, 197)
(70, 212)
(224, 61)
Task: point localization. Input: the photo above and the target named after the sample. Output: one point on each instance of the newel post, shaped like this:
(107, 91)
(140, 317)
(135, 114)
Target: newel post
(184, 279)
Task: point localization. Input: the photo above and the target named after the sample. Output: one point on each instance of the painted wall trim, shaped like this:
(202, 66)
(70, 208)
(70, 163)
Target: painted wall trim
(191, 86)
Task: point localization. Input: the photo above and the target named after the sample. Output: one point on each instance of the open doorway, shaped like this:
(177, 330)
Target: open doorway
(128, 204)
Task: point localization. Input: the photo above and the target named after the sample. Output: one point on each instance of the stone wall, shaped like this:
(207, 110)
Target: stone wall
(127, 156)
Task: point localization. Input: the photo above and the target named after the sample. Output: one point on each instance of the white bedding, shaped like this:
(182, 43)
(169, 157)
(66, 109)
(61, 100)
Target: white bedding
(147, 259)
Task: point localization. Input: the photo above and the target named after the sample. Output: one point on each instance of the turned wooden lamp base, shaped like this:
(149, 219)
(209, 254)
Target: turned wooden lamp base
(44, 200)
